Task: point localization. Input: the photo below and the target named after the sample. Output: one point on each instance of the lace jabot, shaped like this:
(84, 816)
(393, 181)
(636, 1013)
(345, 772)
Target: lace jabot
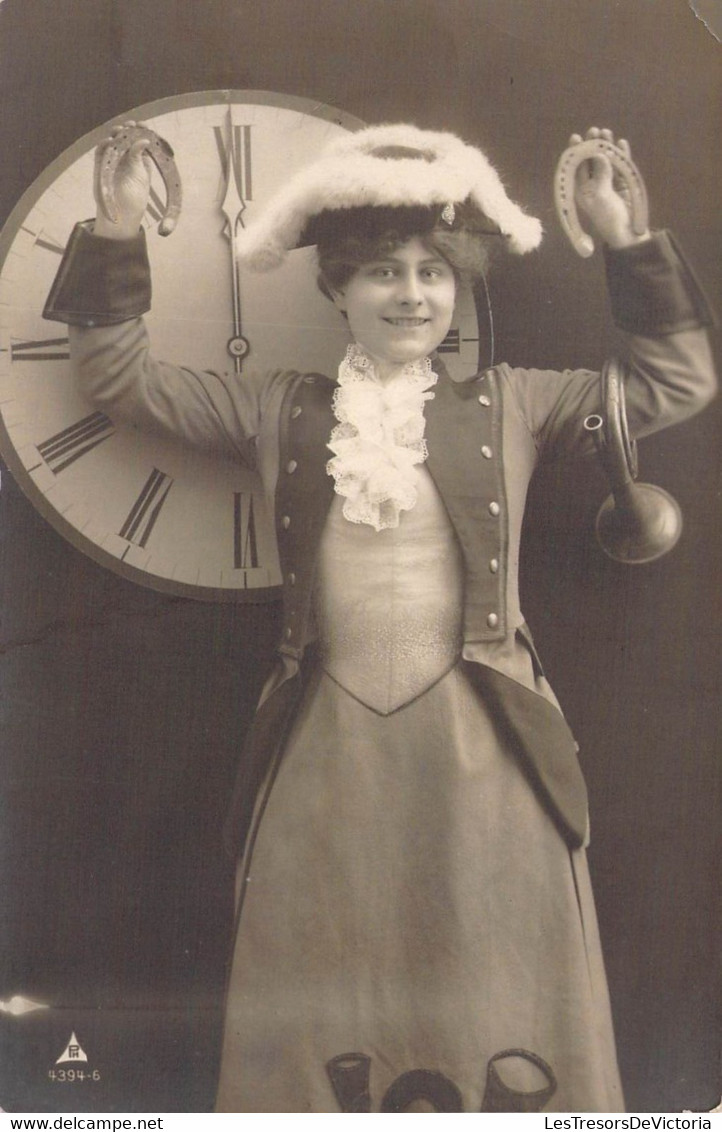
(379, 438)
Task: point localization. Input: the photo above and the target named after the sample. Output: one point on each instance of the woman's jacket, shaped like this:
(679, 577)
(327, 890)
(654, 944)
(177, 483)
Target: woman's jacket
(485, 437)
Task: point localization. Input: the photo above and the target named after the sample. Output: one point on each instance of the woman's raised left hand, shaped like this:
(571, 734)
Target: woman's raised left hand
(602, 195)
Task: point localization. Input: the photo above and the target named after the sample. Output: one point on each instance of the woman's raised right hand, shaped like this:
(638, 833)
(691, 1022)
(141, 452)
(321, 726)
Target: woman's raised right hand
(131, 188)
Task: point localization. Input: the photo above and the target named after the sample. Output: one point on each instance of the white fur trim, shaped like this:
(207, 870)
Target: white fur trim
(347, 175)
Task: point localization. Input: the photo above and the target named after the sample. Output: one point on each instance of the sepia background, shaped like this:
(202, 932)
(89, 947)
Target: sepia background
(122, 710)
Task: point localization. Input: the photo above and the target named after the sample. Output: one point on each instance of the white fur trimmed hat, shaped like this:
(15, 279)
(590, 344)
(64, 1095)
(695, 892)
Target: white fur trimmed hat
(386, 166)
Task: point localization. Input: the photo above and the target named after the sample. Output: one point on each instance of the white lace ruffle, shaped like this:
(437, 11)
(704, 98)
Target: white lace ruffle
(379, 438)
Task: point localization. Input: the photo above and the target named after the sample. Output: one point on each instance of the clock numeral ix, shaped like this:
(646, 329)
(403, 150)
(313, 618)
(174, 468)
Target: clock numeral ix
(41, 350)
(64, 448)
(245, 541)
(144, 513)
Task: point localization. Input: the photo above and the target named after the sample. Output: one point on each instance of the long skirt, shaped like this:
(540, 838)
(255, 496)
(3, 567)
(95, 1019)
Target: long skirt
(414, 933)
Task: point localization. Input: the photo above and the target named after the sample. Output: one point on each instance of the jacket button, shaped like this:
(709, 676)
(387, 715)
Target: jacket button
(291, 579)
(291, 466)
(492, 621)
(288, 633)
(494, 565)
(494, 508)
(296, 412)
(286, 522)
(486, 452)
(484, 400)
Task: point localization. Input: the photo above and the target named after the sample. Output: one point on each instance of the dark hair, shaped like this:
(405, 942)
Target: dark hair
(347, 238)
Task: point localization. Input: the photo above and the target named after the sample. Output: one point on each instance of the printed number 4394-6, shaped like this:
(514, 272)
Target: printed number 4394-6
(70, 1075)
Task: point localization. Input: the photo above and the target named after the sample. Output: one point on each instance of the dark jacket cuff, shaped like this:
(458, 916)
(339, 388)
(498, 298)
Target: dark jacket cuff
(100, 282)
(653, 289)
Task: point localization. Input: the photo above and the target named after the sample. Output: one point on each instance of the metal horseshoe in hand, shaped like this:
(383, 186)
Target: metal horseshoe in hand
(564, 183)
(162, 156)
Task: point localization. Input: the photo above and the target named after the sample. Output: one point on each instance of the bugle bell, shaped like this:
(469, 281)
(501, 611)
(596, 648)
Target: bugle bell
(638, 522)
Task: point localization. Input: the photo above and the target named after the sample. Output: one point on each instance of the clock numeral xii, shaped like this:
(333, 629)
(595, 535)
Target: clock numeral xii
(234, 150)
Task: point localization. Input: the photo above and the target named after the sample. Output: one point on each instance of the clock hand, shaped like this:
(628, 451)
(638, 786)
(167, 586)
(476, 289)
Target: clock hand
(233, 207)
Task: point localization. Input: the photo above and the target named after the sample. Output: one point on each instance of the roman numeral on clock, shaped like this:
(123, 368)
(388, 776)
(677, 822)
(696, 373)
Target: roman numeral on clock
(41, 350)
(64, 448)
(42, 241)
(155, 209)
(245, 541)
(451, 343)
(144, 513)
(234, 150)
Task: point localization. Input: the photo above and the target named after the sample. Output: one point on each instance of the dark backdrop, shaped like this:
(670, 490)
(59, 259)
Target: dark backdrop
(123, 710)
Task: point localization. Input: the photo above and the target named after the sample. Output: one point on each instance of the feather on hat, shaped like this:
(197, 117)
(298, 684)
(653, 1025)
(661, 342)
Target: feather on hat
(388, 166)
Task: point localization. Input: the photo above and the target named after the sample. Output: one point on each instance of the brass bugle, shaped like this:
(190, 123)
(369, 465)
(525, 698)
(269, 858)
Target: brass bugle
(638, 522)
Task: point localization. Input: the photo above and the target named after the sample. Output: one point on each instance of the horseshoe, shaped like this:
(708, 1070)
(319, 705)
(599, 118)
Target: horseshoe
(569, 162)
(162, 156)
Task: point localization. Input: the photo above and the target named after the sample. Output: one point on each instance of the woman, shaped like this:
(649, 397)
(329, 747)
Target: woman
(416, 925)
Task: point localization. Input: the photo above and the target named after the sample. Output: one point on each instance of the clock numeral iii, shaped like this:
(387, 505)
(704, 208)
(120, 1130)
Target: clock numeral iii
(144, 513)
(245, 542)
(63, 449)
(451, 343)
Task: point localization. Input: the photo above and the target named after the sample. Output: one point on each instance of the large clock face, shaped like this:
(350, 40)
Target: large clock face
(148, 508)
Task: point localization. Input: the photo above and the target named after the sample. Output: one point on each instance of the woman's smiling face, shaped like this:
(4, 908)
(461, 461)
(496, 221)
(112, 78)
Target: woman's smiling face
(399, 308)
